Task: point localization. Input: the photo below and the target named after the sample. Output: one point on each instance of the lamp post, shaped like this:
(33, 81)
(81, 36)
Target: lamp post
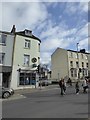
(78, 60)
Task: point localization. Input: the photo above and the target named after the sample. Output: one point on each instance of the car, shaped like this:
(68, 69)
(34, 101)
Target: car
(6, 92)
(44, 82)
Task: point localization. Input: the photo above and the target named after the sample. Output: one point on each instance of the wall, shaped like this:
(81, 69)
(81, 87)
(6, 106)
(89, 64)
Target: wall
(59, 65)
(18, 61)
(8, 49)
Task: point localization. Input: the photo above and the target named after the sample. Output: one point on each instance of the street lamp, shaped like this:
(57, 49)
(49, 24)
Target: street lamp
(78, 60)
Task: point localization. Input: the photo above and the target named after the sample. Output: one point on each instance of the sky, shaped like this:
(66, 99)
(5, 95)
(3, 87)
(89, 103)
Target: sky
(56, 24)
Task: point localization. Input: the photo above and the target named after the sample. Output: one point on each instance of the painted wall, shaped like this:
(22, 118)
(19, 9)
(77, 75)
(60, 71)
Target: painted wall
(7, 49)
(59, 65)
(18, 61)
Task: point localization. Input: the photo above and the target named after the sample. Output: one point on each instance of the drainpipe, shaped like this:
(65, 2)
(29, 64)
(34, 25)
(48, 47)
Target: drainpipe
(13, 33)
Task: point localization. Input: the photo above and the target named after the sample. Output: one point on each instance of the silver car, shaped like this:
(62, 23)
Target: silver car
(6, 92)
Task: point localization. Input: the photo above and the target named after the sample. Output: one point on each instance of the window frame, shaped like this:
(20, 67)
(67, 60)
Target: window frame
(71, 63)
(72, 73)
(2, 58)
(27, 79)
(27, 44)
(82, 64)
(28, 56)
(87, 65)
(3, 38)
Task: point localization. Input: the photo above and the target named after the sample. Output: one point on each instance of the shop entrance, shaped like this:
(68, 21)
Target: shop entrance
(6, 79)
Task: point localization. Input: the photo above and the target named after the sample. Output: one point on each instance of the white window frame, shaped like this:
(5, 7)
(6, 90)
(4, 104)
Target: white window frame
(2, 57)
(26, 59)
(75, 72)
(76, 55)
(86, 57)
(71, 54)
(27, 44)
(82, 56)
(3, 39)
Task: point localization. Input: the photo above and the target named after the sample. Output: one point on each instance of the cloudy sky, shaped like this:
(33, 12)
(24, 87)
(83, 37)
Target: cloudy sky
(57, 24)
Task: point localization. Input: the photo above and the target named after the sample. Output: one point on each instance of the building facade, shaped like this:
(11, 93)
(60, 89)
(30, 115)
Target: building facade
(6, 53)
(24, 57)
(69, 63)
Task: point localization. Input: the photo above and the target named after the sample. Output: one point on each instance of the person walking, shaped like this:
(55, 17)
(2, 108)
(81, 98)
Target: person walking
(85, 86)
(64, 86)
(77, 87)
(61, 84)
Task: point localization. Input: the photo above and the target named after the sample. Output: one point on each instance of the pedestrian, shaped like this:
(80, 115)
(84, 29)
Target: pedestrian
(64, 86)
(61, 84)
(85, 86)
(69, 81)
(77, 87)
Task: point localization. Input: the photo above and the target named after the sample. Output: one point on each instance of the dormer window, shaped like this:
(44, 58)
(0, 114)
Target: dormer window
(28, 32)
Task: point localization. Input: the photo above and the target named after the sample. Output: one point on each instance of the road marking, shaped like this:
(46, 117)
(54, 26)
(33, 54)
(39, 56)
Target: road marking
(14, 97)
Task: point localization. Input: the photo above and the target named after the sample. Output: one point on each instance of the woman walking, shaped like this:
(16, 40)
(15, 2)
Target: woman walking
(77, 87)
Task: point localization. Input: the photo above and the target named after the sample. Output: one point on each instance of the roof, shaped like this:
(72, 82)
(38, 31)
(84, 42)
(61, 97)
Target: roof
(69, 50)
(6, 32)
(78, 51)
(22, 33)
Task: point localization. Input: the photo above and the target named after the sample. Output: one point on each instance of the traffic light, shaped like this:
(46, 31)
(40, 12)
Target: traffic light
(19, 69)
(38, 68)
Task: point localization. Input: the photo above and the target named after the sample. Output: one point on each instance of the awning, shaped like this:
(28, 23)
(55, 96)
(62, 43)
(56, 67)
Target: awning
(26, 70)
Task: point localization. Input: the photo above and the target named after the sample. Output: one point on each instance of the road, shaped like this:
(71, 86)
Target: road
(47, 103)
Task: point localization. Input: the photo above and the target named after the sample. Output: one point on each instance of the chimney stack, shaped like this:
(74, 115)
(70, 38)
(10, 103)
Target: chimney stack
(13, 29)
(82, 51)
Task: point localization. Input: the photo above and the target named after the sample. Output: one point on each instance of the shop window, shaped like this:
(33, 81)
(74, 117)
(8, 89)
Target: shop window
(27, 79)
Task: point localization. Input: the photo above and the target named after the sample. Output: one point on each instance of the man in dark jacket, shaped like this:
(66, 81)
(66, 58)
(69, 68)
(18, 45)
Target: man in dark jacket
(61, 84)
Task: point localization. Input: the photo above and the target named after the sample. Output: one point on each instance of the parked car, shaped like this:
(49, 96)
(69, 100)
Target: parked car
(43, 83)
(6, 92)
